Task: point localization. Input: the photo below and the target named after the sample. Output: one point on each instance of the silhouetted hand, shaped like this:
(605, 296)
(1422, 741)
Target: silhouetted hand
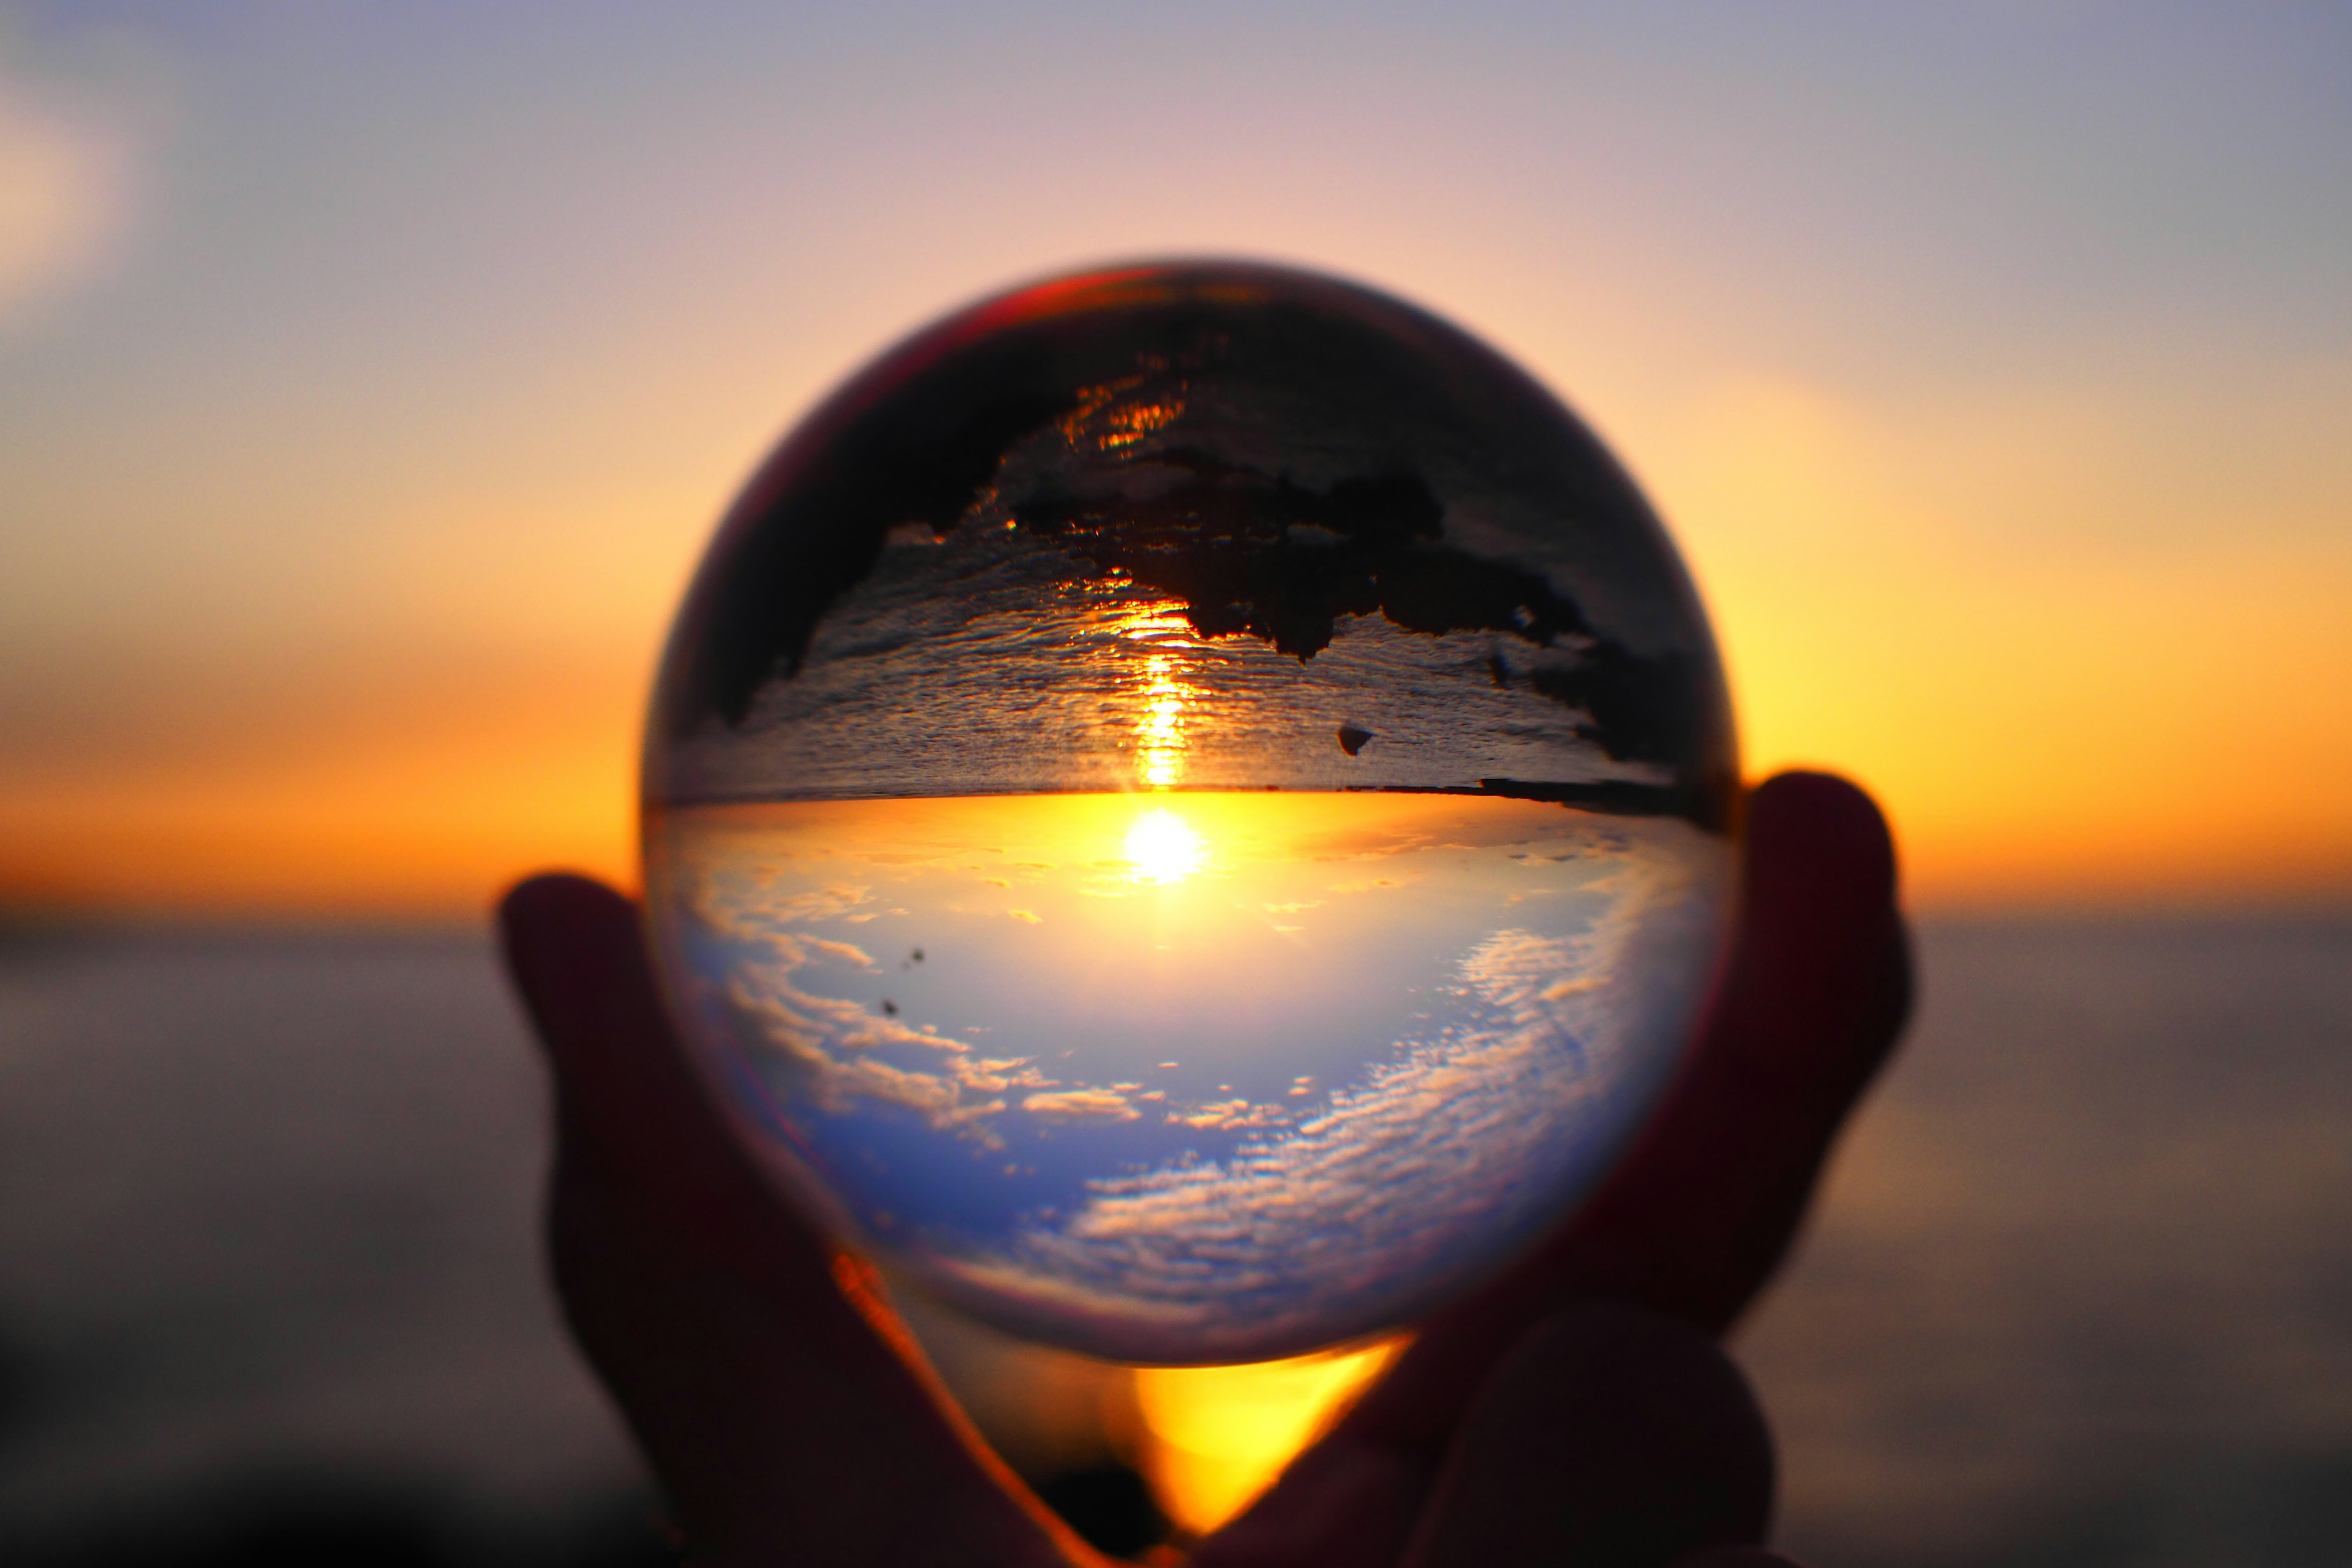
(1578, 1411)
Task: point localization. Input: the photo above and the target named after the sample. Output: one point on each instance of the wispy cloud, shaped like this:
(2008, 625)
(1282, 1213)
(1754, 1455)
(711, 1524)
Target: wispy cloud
(1324, 1212)
(1444, 1160)
(834, 1050)
(834, 1077)
(838, 1051)
(1229, 1113)
(1081, 1105)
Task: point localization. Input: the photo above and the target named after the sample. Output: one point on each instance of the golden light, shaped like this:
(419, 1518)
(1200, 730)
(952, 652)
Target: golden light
(1164, 848)
(1160, 749)
(1156, 635)
(1216, 1436)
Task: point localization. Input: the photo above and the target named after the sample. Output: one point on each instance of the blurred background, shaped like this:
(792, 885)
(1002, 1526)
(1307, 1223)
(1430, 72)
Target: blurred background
(370, 378)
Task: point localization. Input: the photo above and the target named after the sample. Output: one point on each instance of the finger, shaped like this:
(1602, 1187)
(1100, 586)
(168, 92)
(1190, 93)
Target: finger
(1704, 1206)
(1812, 1002)
(1609, 1437)
(782, 1424)
(1707, 1201)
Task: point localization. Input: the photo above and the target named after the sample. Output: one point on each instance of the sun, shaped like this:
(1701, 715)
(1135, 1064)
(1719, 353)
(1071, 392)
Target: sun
(1164, 848)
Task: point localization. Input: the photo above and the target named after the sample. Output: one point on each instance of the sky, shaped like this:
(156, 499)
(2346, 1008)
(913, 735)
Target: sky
(371, 378)
(983, 1027)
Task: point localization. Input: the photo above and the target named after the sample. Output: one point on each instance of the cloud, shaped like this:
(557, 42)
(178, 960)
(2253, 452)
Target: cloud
(749, 909)
(1465, 1145)
(1229, 1113)
(835, 1050)
(1331, 1213)
(997, 1074)
(846, 952)
(1082, 1105)
(836, 1066)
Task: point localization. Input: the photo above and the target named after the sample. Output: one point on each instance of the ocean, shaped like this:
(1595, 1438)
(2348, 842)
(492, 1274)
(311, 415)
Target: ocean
(2079, 1290)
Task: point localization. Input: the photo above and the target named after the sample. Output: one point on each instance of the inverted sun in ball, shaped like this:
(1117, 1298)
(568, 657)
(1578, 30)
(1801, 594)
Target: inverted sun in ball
(1188, 812)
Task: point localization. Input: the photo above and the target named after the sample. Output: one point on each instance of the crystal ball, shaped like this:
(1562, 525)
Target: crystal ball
(1189, 812)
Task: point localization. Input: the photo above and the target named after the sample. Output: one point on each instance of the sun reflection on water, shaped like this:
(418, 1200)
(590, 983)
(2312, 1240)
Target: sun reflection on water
(1168, 697)
(1162, 753)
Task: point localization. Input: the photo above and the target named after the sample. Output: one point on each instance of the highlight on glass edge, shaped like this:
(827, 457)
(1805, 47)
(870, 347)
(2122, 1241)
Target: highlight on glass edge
(1189, 812)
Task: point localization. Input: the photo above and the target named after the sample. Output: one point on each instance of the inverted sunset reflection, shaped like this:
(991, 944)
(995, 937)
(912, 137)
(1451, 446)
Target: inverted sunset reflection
(1161, 751)
(1189, 1077)
(1165, 699)
(1189, 817)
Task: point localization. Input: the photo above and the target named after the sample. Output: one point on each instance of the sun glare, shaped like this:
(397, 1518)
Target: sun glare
(1216, 1436)
(1164, 848)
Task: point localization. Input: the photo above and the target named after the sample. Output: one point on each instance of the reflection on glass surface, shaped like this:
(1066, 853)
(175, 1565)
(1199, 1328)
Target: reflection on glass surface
(1198, 1073)
(1189, 812)
(1216, 1436)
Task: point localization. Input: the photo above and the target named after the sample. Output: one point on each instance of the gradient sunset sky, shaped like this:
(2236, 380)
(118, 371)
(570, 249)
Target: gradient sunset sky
(371, 376)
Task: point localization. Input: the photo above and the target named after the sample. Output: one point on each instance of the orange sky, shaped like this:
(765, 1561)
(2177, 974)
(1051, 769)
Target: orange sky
(366, 400)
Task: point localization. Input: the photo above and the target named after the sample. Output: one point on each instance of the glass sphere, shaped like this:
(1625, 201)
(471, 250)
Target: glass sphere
(1188, 812)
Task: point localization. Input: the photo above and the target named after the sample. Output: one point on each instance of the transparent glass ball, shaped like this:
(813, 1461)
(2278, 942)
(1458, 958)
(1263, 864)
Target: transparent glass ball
(1188, 812)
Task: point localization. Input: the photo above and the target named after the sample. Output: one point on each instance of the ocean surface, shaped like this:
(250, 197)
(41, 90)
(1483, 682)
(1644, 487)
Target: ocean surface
(992, 663)
(2080, 1290)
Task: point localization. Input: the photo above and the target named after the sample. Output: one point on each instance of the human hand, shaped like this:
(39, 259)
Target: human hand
(1578, 1410)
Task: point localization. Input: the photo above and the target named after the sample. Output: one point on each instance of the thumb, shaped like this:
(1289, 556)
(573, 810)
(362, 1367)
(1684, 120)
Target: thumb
(783, 1426)
(1610, 1436)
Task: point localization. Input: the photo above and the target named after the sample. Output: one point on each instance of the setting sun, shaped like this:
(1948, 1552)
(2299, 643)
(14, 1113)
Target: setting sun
(1164, 848)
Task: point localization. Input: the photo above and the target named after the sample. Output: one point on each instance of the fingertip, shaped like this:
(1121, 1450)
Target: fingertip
(1821, 979)
(559, 926)
(575, 950)
(1827, 822)
(550, 902)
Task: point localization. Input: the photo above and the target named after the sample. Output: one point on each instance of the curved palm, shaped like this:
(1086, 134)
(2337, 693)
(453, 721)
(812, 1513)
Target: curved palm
(1576, 1410)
